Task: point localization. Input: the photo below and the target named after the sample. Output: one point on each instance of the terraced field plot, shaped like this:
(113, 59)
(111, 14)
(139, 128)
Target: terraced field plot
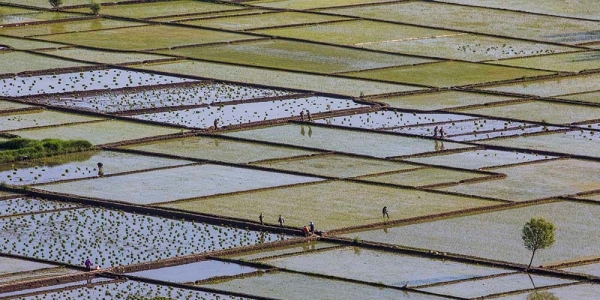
(158, 9)
(66, 26)
(176, 183)
(80, 165)
(569, 62)
(26, 44)
(282, 79)
(273, 284)
(245, 113)
(539, 180)
(202, 93)
(39, 118)
(133, 238)
(105, 57)
(20, 205)
(308, 4)
(394, 119)
(31, 62)
(297, 56)
(546, 112)
(9, 105)
(283, 250)
(361, 33)
(98, 133)
(261, 20)
(552, 87)
(589, 97)
(146, 37)
(195, 271)
(45, 4)
(337, 165)
(580, 9)
(579, 291)
(481, 20)
(219, 149)
(381, 267)
(359, 204)
(469, 47)
(81, 81)
(345, 141)
(19, 16)
(478, 158)
(497, 234)
(448, 74)
(441, 100)
(428, 176)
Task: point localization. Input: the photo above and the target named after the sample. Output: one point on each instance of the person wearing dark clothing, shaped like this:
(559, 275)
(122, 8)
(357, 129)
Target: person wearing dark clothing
(302, 115)
(312, 226)
(281, 221)
(261, 219)
(88, 264)
(385, 212)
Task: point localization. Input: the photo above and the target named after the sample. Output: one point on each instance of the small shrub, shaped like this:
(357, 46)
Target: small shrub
(95, 7)
(55, 3)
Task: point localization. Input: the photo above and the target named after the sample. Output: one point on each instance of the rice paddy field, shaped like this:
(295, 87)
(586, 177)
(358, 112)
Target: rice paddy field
(412, 139)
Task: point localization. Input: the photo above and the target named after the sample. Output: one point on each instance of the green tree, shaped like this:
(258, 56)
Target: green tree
(55, 3)
(95, 7)
(541, 295)
(538, 234)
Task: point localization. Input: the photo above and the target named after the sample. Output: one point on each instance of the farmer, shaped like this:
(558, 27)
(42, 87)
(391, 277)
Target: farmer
(442, 132)
(88, 264)
(261, 219)
(384, 211)
(305, 230)
(216, 123)
(312, 226)
(309, 115)
(100, 170)
(302, 115)
(435, 131)
(281, 221)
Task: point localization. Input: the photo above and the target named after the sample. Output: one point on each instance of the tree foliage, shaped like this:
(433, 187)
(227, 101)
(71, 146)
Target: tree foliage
(538, 234)
(95, 7)
(55, 3)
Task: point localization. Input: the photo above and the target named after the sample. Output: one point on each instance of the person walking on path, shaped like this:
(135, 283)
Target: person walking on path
(281, 221)
(88, 264)
(309, 116)
(216, 123)
(442, 132)
(312, 226)
(302, 115)
(261, 219)
(384, 211)
(435, 131)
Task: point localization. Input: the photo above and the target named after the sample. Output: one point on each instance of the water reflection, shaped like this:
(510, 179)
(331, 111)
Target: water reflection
(542, 295)
(439, 146)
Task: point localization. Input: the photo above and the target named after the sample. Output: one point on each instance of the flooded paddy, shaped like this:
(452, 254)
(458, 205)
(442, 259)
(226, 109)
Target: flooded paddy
(26, 205)
(158, 9)
(104, 57)
(276, 285)
(477, 159)
(585, 291)
(426, 176)
(589, 97)
(70, 236)
(381, 267)
(448, 74)
(195, 271)
(176, 183)
(66, 26)
(152, 97)
(539, 180)
(552, 87)
(19, 16)
(359, 204)
(497, 285)
(569, 62)
(282, 79)
(81, 81)
(219, 149)
(308, 4)
(291, 55)
(98, 133)
(127, 289)
(40, 118)
(337, 165)
(80, 165)
(497, 235)
(245, 113)
(589, 269)
(283, 250)
(344, 141)
(26, 44)
(580, 9)
(393, 119)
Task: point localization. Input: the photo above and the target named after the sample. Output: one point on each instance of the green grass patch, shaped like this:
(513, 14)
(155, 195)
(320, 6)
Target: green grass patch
(296, 56)
(46, 4)
(15, 149)
(448, 74)
(282, 79)
(146, 37)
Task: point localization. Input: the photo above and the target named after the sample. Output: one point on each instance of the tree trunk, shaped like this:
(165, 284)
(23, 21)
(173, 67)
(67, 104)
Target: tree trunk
(532, 254)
